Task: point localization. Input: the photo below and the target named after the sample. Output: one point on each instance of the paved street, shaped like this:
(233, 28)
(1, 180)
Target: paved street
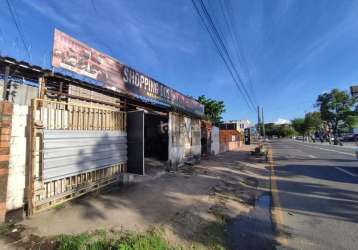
(318, 195)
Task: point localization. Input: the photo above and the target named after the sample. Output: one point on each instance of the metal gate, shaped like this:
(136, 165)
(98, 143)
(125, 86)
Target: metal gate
(75, 149)
(136, 142)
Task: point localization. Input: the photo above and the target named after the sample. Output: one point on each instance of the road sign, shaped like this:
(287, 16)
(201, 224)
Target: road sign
(247, 136)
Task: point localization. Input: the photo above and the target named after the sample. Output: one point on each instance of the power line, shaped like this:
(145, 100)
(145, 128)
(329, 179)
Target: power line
(18, 28)
(228, 10)
(223, 51)
(219, 50)
(228, 55)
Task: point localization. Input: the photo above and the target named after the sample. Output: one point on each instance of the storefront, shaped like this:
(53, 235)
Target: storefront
(70, 136)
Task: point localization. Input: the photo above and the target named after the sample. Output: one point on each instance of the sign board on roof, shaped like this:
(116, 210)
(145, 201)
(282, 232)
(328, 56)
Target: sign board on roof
(73, 55)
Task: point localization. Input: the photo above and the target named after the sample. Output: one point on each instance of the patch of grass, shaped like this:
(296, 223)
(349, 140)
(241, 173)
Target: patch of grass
(59, 206)
(213, 236)
(98, 240)
(5, 227)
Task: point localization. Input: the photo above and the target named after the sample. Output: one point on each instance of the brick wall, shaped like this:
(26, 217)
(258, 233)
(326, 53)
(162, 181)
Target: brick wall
(5, 135)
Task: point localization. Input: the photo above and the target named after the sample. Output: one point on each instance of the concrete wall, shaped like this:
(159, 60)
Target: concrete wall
(230, 146)
(184, 139)
(215, 141)
(1, 89)
(17, 160)
(24, 94)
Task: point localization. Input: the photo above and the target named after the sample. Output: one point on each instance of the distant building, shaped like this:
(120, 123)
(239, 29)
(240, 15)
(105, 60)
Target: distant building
(354, 91)
(238, 125)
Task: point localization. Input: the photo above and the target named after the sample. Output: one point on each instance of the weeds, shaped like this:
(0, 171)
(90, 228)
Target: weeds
(4, 227)
(98, 240)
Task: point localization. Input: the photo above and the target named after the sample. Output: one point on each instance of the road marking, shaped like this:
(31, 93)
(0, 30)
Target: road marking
(346, 171)
(312, 156)
(277, 215)
(332, 150)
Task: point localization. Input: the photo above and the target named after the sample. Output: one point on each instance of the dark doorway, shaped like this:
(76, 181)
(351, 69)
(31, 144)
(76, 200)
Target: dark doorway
(135, 137)
(156, 140)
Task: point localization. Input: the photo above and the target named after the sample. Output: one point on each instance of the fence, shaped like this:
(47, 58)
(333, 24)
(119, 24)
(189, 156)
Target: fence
(76, 176)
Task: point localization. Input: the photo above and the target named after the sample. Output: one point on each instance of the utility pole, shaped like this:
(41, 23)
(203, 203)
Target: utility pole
(263, 122)
(258, 121)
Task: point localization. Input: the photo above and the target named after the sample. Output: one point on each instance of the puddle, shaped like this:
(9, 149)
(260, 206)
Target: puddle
(253, 230)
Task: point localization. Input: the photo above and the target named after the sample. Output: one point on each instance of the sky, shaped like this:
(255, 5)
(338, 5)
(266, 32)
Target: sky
(291, 50)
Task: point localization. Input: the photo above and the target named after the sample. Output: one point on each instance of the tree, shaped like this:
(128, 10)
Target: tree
(212, 108)
(312, 122)
(280, 130)
(335, 108)
(352, 120)
(285, 130)
(271, 129)
(298, 125)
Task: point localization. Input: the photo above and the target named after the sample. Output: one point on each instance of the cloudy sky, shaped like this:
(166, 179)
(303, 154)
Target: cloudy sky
(292, 50)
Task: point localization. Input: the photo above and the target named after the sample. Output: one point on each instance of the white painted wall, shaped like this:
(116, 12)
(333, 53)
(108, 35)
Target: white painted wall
(215, 140)
(184, 138)
(17, 161)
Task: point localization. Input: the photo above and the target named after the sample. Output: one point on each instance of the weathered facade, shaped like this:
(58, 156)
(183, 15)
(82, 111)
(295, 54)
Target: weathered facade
(62, 137)
(230, 140)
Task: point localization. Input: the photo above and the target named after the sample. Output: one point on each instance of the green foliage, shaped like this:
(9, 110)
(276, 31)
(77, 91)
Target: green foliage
(213, 235)
(212, 108)
(98, 240)
(298, 124)
(271, 129)
(285, 131)
(335, 107)
(312, 122)
(352, 121)
(281, 130)
(5, 227)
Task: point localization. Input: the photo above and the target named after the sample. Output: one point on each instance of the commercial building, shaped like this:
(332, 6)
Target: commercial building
(238, 125)
(354, 91)
(64, 136)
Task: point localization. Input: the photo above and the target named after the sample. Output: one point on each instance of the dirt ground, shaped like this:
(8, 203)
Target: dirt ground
(183, 203)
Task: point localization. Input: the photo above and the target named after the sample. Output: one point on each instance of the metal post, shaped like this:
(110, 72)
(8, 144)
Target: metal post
(263, 122)
(6, 90)
(258, 121)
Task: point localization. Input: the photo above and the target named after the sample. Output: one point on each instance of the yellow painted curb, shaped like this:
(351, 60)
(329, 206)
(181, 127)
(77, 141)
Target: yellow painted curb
(277, 215)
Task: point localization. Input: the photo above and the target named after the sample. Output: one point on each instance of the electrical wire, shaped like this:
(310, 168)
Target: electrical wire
(227, 53)
(216, 36)
(18, 28)
(229, 17)
(219, 51)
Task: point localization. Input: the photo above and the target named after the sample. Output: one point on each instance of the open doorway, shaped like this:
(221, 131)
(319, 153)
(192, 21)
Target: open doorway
(155, 142)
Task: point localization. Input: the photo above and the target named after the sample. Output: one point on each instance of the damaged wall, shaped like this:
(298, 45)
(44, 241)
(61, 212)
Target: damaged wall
(215, 142)
(230, 140)
(184, 139)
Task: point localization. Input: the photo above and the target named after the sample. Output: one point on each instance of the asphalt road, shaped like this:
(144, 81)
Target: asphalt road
(317, 195)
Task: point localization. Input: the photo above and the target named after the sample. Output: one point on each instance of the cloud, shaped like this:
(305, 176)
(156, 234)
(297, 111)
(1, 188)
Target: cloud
(54, 13)
(281, 121)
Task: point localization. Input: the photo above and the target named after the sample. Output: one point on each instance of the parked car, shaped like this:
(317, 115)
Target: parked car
(349, 137)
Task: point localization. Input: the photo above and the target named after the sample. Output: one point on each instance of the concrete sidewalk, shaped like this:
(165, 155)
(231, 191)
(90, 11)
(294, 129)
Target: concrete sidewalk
(182, 202)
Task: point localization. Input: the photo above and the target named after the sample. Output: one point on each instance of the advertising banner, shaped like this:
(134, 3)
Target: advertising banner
(73, 55)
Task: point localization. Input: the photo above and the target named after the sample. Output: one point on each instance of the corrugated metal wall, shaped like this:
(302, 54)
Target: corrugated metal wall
(69, 152)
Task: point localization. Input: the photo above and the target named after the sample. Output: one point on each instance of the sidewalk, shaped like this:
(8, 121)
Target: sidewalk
(183, 203)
